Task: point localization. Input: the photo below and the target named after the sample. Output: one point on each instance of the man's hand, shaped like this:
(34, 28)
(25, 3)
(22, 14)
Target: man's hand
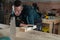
(22, 25)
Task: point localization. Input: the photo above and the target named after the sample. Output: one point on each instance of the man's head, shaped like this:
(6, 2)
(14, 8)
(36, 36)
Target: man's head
(35, 6)
(18, 7)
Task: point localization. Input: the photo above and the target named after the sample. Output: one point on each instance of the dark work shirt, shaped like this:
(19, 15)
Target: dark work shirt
(20, 19)
(28, 16)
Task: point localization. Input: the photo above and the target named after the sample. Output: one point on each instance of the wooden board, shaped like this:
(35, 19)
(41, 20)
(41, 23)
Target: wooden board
(34, 35)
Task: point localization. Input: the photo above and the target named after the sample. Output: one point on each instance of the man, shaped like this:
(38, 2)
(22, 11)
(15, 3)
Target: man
(39, 21)
(24, 15)
(36, 8)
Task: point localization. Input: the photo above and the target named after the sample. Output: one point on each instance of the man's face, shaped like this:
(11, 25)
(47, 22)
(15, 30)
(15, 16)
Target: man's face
(18, 10)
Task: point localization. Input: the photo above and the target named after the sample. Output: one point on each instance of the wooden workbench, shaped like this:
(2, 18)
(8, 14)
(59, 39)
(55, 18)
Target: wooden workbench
(51, 22)
(36, 35)
(31, 35)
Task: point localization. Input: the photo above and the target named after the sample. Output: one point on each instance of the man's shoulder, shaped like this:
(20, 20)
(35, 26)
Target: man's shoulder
(27, 7)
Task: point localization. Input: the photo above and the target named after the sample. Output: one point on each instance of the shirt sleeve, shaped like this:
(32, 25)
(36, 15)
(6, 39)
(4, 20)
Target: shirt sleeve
(30, 17)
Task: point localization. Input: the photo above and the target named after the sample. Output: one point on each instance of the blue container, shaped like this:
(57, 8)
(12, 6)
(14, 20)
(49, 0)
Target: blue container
(4, 38)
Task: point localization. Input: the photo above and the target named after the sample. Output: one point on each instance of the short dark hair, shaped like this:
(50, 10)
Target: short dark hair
(34, 4)
(17, 3)
(54, 9)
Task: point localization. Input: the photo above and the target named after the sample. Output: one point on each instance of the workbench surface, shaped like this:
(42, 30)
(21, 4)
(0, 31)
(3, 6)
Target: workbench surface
(34, 35)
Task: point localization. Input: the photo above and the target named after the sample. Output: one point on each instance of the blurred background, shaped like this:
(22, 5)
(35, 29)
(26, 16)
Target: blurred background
(46, 7)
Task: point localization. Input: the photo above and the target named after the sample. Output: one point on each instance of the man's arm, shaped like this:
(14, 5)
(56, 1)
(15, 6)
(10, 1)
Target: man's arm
(30, 17)
(22, 25)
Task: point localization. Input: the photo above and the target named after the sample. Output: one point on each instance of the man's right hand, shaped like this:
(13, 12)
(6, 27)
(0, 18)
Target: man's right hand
(22, 25)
